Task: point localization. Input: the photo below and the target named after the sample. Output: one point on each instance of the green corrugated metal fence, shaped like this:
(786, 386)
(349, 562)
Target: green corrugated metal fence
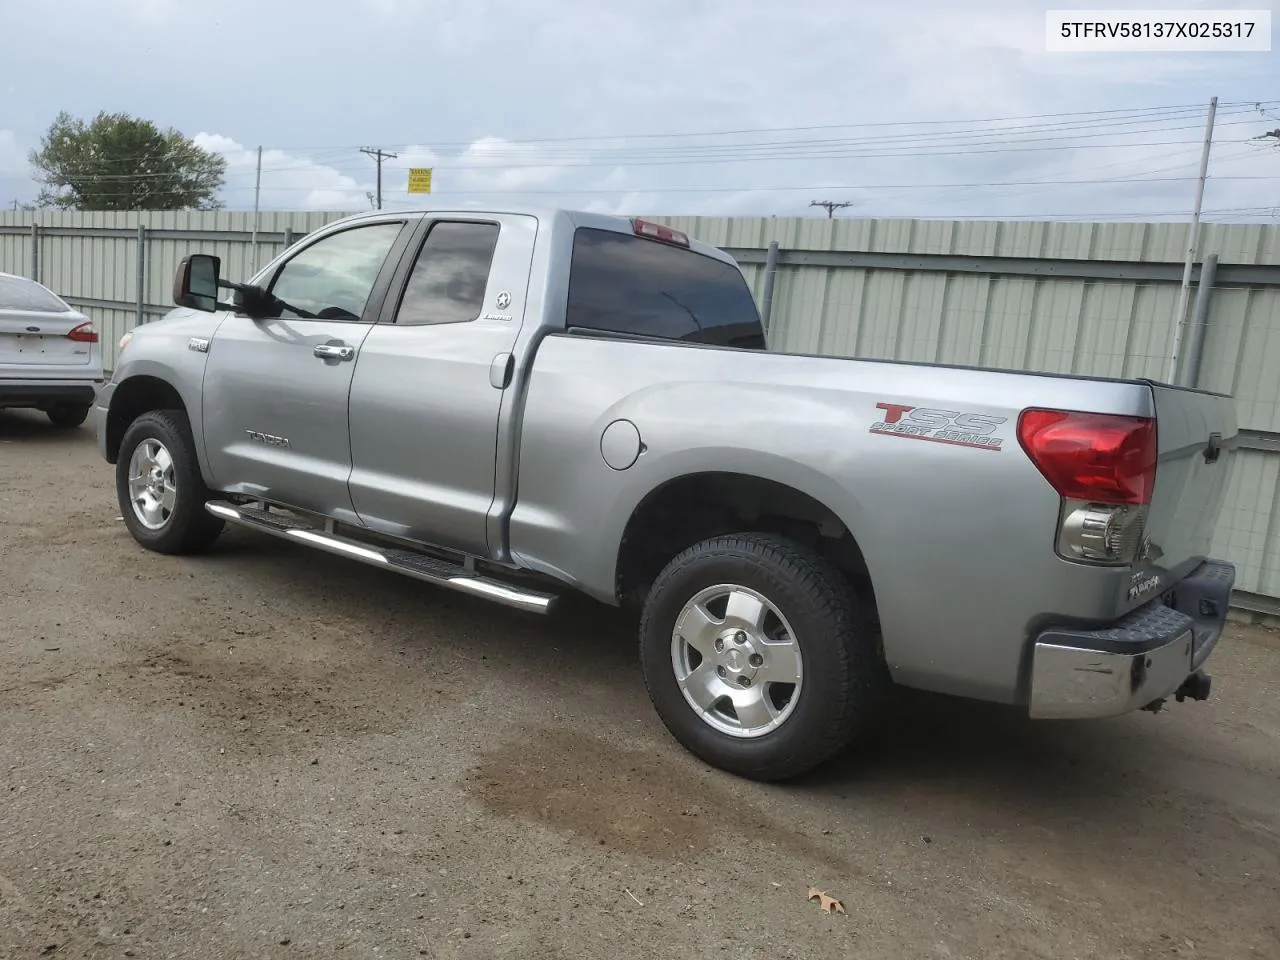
(1086, 298)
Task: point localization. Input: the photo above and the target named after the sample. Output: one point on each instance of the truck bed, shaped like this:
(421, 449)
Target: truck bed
(946, 519)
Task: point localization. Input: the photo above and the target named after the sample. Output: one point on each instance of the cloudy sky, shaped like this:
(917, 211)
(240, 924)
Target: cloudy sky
(929, 108)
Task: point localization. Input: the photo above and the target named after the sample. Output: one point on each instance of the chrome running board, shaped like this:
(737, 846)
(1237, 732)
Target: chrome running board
(420, 566)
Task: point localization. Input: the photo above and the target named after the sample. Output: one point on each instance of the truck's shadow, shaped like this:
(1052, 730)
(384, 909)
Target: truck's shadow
(989, 757)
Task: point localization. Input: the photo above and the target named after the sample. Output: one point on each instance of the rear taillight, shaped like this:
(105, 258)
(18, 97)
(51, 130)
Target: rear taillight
(1104, 468)
(84, 333)
(656, 231)
(1092, 456)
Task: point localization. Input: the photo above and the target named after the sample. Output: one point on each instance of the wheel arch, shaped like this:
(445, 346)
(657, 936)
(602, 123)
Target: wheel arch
(133, 396)
(686, 506)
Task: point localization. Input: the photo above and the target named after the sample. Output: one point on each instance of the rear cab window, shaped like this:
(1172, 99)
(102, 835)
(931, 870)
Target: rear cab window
(633, 286)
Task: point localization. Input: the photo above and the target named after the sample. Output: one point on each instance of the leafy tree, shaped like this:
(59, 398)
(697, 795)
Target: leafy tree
(119, 162)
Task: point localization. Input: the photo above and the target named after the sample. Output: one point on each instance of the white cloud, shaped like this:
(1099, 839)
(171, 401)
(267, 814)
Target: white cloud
(289, 182)
(496, 164)
(485, 168)
(481, 91)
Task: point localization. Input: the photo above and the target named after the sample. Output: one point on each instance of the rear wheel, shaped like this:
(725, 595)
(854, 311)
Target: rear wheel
(758, 656)
(67, 416)
(159, 486)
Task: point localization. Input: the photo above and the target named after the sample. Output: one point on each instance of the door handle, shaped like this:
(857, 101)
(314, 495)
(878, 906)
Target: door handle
(334, 351)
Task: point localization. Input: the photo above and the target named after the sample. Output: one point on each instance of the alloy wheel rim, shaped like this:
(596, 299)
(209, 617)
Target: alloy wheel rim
(737, 661)
(153, 485)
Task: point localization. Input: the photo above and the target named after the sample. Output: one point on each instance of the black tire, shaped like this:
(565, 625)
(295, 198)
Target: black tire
(188, 527)
(844, 677)
(68, 416)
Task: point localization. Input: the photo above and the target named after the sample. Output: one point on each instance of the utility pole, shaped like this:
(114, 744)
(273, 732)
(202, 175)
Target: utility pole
(831, 206)
(257, 193)
(379, 155)
(1193, 241)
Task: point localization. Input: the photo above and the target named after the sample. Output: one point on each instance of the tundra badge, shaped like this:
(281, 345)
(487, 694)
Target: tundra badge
(268, 439)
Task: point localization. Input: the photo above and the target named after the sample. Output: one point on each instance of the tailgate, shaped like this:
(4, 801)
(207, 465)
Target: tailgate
(1196, 433)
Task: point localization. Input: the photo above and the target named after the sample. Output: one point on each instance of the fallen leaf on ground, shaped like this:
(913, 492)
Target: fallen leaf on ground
(828, 904)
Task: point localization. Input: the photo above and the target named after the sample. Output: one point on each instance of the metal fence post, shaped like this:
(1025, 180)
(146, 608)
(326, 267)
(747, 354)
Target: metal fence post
(288, 237)
(142, 276)
(1200, 320)
(766, 295)
(35, 251)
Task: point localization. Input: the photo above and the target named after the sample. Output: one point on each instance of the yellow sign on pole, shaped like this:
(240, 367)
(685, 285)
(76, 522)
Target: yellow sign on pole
(420, 179)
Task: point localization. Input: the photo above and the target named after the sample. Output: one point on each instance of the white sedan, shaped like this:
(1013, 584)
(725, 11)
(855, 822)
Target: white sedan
(50, 354)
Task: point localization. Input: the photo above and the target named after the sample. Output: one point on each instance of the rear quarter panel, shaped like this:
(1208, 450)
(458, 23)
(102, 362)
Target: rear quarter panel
(959, 540)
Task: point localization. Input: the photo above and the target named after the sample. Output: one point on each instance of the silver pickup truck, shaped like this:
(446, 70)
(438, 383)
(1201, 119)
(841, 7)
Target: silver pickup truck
(521, 404)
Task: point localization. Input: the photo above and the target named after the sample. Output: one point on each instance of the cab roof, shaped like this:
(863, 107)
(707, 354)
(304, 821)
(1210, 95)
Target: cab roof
(562, 217)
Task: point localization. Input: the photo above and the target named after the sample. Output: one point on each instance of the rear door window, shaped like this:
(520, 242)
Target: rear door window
(450, 275)
(619, 283)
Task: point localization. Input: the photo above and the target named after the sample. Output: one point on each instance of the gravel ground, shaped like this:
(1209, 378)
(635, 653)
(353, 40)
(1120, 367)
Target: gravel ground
(271, 752)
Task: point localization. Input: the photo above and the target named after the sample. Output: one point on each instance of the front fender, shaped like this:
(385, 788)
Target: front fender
(167, 352)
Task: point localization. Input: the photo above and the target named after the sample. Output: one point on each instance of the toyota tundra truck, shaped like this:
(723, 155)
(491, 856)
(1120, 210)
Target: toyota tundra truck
(519, 405)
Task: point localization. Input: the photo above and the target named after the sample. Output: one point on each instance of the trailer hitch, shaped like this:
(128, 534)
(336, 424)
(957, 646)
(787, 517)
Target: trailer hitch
(1196, 686)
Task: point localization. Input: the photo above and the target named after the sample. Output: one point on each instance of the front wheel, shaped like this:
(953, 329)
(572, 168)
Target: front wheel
(159, 486)
(758, 656)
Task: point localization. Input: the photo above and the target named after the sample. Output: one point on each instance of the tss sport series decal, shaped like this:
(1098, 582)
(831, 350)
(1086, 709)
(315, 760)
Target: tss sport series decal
(939, 426)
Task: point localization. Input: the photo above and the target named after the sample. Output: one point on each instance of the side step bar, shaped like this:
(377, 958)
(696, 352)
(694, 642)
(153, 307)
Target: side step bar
(442, 573)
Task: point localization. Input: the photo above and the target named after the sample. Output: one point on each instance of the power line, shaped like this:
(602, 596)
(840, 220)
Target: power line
(1063, 133)
(379, 155)
(1081, 124)
(585, 163)
(1080, 130)
(1135, 112)
(789, 188)
(749, 188)
(922, 144)
(831, 206)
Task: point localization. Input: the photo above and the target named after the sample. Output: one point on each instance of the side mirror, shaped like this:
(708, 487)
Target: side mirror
(195, 284)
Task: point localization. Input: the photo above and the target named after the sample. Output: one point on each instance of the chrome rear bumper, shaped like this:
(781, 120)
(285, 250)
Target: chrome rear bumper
(1137, 661)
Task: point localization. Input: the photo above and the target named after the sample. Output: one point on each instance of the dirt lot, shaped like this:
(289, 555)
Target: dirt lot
(269, 752)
